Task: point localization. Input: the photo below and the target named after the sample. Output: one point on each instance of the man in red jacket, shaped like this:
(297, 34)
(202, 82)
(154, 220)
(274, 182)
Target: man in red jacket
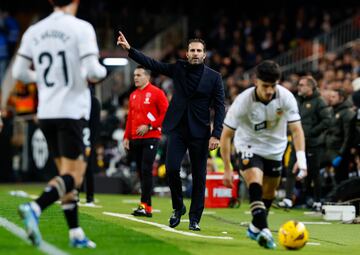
(147, 108)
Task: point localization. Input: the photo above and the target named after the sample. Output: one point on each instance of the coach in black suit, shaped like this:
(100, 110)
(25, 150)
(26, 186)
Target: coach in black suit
(197, 88)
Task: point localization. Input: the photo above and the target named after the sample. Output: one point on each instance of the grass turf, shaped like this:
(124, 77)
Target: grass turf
(121, 236)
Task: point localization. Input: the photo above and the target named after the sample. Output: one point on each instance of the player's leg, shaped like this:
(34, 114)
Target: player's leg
(270, 184)
(252, 173)
(73, 142)
(55, 189)
(271, 181)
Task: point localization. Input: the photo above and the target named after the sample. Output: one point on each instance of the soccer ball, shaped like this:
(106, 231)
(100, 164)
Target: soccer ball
(293, 235)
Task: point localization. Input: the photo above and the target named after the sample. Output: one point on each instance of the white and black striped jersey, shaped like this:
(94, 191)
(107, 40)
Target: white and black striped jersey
(262, 128)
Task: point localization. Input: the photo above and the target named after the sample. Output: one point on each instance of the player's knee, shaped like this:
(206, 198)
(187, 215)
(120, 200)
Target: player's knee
(78, 177)
(70, 197)
(63, 184)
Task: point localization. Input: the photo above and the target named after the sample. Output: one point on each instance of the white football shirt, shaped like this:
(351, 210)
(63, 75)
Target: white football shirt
(262, 128)
(56, 46)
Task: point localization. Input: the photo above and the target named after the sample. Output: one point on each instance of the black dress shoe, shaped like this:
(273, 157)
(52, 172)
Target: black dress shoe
(176, 216)
(194, 226)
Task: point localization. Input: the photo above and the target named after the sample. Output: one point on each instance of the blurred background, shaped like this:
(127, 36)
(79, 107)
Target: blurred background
(321, 38)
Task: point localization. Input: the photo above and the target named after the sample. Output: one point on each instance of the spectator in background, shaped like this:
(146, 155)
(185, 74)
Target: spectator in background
(338, 133)
(147, 108)
(4, 51)
(315, 118)
(13, 31)
(197, 88)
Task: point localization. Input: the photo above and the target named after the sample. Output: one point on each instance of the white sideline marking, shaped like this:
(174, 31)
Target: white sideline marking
(316, 223)
(313, 213)
(19, 232)
(310, 243)
(164, 227)
(89, 205)
(208, 212)
(130, 201)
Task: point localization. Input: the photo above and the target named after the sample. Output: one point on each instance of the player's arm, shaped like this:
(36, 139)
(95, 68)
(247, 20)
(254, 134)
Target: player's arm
(89, 54)
(297, 133)
(94, 70)
(225, 150)
(22, 70)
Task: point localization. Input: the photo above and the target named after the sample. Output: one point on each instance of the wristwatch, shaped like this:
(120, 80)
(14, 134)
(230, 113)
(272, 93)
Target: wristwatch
(150, 127)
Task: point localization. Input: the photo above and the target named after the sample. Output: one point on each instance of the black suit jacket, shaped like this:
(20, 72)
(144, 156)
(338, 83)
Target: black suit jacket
(209, 94)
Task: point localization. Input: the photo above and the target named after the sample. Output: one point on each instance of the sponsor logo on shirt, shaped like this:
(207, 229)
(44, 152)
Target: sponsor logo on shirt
(279, 111)
(260, 126)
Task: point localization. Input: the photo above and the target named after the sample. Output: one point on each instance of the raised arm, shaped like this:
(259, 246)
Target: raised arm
(142, 59)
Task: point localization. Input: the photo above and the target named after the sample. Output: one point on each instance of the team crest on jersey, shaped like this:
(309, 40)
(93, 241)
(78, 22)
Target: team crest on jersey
(279, 111)
(147, 98)
(308, 106)
(245, 161)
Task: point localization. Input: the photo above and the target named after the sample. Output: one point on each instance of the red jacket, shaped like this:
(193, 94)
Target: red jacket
(146, 106)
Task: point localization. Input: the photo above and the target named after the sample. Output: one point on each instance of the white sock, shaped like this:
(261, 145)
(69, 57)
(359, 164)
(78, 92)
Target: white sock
(267, 231)
(36, 208)
(77, 233)
(253, 228)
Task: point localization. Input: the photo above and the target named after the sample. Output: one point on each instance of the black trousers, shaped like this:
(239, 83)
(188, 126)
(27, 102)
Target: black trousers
(94, 124)
(313, 181)
(179, 142)
(143, 151)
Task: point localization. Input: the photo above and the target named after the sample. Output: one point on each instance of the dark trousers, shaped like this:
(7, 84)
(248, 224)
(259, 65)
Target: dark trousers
(313, 158)
(94, 124)
(178, 143)
(143, 151)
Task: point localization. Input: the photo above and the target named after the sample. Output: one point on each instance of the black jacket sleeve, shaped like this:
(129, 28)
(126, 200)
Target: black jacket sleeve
(219, 107)
(151, 64)
(324, 117)
(346, 122)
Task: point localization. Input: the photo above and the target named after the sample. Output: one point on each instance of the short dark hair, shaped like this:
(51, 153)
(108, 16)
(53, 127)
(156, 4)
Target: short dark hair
(60, 3)
(342, 93)
(310, 81)
(147, 71)
(268, 71)
(197, 40)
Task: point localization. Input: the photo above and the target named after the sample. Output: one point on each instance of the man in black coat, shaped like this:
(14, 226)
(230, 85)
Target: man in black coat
(197, 88)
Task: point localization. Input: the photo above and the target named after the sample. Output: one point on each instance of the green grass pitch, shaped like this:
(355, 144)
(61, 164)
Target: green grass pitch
(115, 235)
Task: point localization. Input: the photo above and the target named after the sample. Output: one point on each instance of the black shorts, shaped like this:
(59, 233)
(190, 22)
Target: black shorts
(271, 168)
(67, 138)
